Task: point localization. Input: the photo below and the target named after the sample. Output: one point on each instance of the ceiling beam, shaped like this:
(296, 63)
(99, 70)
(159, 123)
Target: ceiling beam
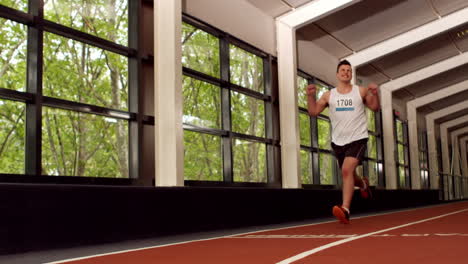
(313, 11)
(427, 72)
(409, 38)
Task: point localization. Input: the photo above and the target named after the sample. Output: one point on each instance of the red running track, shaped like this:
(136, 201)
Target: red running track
(437, 234)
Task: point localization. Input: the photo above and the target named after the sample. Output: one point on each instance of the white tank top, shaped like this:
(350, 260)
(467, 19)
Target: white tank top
(348, 116)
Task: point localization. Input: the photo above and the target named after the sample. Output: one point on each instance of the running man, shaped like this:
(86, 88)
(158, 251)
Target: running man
(348, 119)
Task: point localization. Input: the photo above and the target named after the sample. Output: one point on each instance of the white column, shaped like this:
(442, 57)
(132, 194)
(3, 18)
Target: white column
(168, 93)
(287, 75)
(413, 146)
(388, 138)
(432, 154)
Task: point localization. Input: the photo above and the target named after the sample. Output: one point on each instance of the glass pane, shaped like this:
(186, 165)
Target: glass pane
(372, 147)
(306, 167)
(200, 50)
(373, 173)
(202, 157)
(399, 127)
(107, 19)
(370, 120)
(304, 127)
(21, 5)
(248, 115)
(12, 138)
(321, 89)
(301, 91)
(78, 144)
(326, 168)
(202, 103)
(401, 154)
(402, 176)
(324, 135)
(13, 39)
(246, 69)
(249, 161)
(82, 73)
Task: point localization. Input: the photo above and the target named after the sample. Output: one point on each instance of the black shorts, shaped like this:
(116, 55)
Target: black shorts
(355, 149)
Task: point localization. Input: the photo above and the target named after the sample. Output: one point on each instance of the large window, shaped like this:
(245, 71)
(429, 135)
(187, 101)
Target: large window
(402, 154)
(318, 164)
(228, 109)
(372, 167)
(423, 160)
(77, 107)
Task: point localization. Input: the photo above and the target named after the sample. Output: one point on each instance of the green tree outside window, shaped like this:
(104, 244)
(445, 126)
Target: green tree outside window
(13, 40)
(202, 157)
(249, 161)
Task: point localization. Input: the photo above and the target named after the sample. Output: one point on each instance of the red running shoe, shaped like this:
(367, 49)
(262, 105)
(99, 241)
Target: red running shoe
(366, 192)
(341, 214)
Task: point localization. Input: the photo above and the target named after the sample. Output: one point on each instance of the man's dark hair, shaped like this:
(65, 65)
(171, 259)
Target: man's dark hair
(343, 62)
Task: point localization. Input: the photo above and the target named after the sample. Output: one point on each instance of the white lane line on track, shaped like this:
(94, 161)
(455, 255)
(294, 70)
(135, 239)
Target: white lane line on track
(340, 242)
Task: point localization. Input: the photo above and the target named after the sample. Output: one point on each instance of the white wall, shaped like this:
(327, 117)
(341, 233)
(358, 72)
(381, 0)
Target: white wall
(316, 62)
(238, 18)
(421, 122)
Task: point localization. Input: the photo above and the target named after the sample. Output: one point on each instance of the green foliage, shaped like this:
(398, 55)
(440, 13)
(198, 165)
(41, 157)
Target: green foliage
(326, 168)
(12, 140)
(107, 19)
(324, 134)
(248, 115)
(200, 50)
(76, 144)
(373, 173)
(301, 91)
(202, 107)
(372, 147)
(73, 144)
(13, 39)
(78, 72)
(401, 177)
(304, 129)
(246, 69)
(202, 157)
(401, 154)
(202, 103)
(399, 130)
(306, 167)
(21, 5)
(370, 120)
(249, 161)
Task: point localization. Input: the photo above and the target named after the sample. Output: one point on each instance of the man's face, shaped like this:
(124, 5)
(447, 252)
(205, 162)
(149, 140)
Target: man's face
(345, 73)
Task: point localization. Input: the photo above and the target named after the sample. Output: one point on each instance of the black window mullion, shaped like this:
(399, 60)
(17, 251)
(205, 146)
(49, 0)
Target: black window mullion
(226, 110)
(80, 36)
(135, 133)
(270, 157)
(34, 86)
(380, 150)
(16, 15)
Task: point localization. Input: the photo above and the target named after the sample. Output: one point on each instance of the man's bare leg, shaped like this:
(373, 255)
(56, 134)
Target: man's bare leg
(348, 173)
